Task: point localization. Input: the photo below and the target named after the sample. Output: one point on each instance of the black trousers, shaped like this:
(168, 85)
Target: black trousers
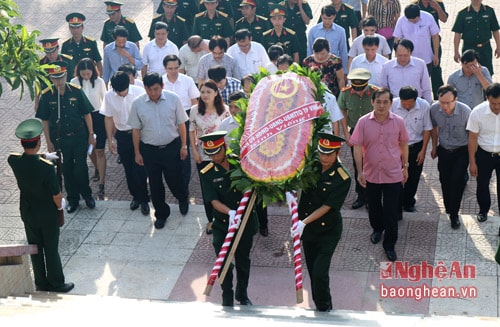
(414, 172)
(164, 162)
(452, 166)
(137, 179)
(486, 163)
(384, 209)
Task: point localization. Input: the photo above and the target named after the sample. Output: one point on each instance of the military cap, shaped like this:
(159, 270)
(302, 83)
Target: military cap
(213, 142)
(75, 19)
(277, 11)
(208, 1)
(112, 6)
(50, 45)
(58, 70)
(170, 2)
(359, 76)
(248, 3)
(328, 143)
(29, 130)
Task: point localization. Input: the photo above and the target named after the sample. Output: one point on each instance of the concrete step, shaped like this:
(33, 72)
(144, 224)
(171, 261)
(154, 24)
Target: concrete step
(51, 309)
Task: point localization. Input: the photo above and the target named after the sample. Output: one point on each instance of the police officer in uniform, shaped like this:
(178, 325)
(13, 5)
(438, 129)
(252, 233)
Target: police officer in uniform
(113, 9)
(177, 29)
(320, 221)
(355, 101)
(254, 23)
(67, 125)
(281, 35)
(212, 22)
(80, 46)
(185, 9)
(475, 24)
(41, 207)
(216, 184)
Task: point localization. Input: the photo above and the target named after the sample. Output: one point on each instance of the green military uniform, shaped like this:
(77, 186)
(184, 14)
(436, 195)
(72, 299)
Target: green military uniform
(216, 185)
(437, 71)
(87, 48)
(64, 58)
(295, 23)
(287, 40)
(321, 236)
(177, 29)
(206, 27)
(73, 141)
(224, 6)
(185, 9)
(128, 23)
(476, 28)
(37, 182)
(259, 25)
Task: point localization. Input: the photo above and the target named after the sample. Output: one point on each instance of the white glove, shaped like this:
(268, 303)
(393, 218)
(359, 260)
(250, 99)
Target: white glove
(51, 156)
(63, 203)
(232, 217)
(298, 229)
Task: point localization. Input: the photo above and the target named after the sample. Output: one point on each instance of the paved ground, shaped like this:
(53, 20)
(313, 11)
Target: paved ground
(113, 251)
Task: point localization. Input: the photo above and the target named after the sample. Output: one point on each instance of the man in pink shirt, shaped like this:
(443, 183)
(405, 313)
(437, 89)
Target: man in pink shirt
(380, 143)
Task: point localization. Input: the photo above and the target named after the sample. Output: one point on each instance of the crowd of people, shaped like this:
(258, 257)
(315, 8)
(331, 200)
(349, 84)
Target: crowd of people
(386, 96)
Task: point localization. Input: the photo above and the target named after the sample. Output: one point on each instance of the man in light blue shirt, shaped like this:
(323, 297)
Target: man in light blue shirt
(335, 34)
(120, 52)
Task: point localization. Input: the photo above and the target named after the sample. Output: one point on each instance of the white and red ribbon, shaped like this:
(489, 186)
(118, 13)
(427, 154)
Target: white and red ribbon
(291, 200)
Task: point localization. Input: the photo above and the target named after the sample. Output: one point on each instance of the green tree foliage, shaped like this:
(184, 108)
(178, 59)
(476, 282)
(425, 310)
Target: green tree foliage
(19, 59)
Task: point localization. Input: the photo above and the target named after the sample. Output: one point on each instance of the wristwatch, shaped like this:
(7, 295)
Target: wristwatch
(184, 147)
(406, 165)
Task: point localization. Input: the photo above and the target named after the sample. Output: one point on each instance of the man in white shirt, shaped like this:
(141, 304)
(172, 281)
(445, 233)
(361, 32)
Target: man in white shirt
(116, 108)
(250, 55)
(369, 26)
(190, 54)
(187, 91)
(371, 59)
(157, 49)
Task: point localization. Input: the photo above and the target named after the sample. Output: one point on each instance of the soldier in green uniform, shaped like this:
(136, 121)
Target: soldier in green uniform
(281, 35)
(177, 29)
(80, 46)
(113, 9)
(67, 125)
(355, 101)
(437, 10)
(320, 221)
(211, 22)
(254, 23)
(41, 207)
(216, 187)
(475, 24)
(224, 6)
(298, 16)
(185, 9)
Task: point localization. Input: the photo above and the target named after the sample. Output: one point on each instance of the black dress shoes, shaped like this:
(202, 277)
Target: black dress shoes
(410, 209)
(90, 202)
(72, 206)
(160, 223)
(391, 255)
(455, 222)
(145, 208)
(482, 217)
(375, 237)
(245, 302)
(134, 205)
(184, 207)
(264, 231)
(62, 289)
(358, 203)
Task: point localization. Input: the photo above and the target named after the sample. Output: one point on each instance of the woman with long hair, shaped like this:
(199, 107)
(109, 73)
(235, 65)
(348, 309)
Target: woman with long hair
(204, 118)
(94, 87)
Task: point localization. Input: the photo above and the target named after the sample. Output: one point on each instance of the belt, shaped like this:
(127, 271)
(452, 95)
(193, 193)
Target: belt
(452, 150)
(158, 147)
(493, 154)
(414, 144)
(480, 45)
(72, 133)
(124, 132)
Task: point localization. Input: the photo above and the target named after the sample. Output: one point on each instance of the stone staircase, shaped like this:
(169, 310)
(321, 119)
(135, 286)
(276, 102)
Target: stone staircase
(51, 309)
